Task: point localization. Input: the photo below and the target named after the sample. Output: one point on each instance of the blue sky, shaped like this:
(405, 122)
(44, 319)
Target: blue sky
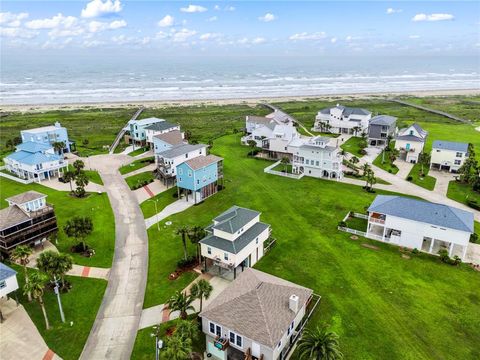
(241, 28)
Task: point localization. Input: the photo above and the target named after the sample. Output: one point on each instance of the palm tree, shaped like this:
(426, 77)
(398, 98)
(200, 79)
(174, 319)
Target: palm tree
(181, 302)
(319, 344)
(393, 155)
(58, 146)
(187, 329)
(253, 145)
(69, 176)
(183, 231)
(355, 160)
(370, 179)
(81, 180)
(55, 265)
(356, 129)
(79, 228)
(36, 287)
(78, 165)
(21, 254)
(177, 348)
(285, 161)
(365, 168)
(424, 160)
(202, 289)
(196, 234)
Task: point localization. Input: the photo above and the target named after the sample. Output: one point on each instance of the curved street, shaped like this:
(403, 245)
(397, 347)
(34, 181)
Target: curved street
(115, 327)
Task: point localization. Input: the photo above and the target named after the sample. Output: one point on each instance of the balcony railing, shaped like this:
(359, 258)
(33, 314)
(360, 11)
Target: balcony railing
(376, 220)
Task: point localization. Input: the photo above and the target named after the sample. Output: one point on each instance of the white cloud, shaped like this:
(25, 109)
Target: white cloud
(308, 36)
(193, 9)
(130, 40)
(213, 18)
(243, 40)
(96, 8)
(433, 17)
(333, 40)
(117, 24)
(12, 19)
(209, 36)
(58, 20)
(52, 44)
(183, 35)
(393, 11)
(97, 26)
(351, 38)
(230, 8)
(267, 17)
(216, 7)
(92, 43)
(16, 32)
(258, 40)
(167, 21)
(414, 37)
(59, 32)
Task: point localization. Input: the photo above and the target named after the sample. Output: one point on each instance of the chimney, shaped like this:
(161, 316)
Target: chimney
(293, 303)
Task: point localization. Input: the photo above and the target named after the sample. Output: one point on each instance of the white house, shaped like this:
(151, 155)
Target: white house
(448, 155)
(257, 316)
(316, 157)
(420, 224)
(136, 129)
(35, 161)
(343, 120)
(410, 142)
(8, 280)
(168, 160)
(235, 240)
(158, 128)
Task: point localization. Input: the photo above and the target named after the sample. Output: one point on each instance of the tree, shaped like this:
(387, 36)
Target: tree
(58, 146)
(187, 329)
(356, 129)
(365, 168)
(355, 160)
(69, 176)
(81, 180)
(85, 142)
(16, 140)
(424, 160)
(78, 165)
(253, 145)
(183, 231)
(21, 254)
(177, 348)
(196, 234)
(79, 228)
(285, 161)
(370, 179)
(181, 302)
(319, 344)
(36, 287)
(389, 139)
(9, 144)
(393, 155)
(187, 134)
(202, 289)
(55, 265)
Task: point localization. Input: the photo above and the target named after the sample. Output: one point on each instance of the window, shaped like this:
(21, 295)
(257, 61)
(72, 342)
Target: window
(458, 162)
(215, 329)
(235, 339)
(317, 163)
(225, 256)
(279, 344)
(198, 181)
(290, 328)
(459, 154)
(209, 250)
(256, 241)
(189, 173)
(180, 171)
(2, 284)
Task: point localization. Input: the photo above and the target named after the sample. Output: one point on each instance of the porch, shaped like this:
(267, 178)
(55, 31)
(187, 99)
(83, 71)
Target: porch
(433, 246)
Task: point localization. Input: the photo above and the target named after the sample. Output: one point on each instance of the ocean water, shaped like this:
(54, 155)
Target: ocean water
(33, 81)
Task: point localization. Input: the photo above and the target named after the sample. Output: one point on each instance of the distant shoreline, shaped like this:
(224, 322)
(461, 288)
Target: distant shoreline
(246, 101)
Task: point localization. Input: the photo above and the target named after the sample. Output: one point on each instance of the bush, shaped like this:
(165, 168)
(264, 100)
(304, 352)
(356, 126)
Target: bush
(362, 144)
(473, 238)
(447, 260)
(473, 204)
(390, 171)
(415, 251)
(363, 152)
(409, 178)
(191, 261)
(342, 224)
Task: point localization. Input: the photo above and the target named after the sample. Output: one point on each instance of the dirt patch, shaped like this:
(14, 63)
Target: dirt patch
(354, 237)
(405, 256)
(373, 247)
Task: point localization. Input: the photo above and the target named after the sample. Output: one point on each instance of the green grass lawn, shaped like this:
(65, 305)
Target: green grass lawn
(80, 306)
(385, 165)
(122, 145)
(92, 175)
(135, 180)
(163, 199)
(144, 348)
(138, 151)
(97, 206)
(427, 181)
(352, 146)
(281, 167)
(357, 223)
(135, 165)
(379, 180)
(382, 306)
(461, 192)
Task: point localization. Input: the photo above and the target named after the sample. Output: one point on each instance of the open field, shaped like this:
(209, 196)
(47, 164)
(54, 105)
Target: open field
(96, 206)
(377, 301)
(352, 146)
(163, 199)
(427, 182)
(461, 192)
(80, 306)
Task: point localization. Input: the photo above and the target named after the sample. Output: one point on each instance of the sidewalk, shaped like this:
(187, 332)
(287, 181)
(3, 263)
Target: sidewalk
(176, 207)
(149, 191)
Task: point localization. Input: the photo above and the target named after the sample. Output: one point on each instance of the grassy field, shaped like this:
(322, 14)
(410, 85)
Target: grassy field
(80, 306)
(383, 306)
(461, 192)
(95, 205)
(98, 126)
(427, 182)
(138, 151)
(135, 165)
(385, 165)
(352, 146)
(92, 175)
(163, 199)
(134, 180)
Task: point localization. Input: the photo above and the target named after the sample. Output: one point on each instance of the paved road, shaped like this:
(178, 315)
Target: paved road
(115, 328)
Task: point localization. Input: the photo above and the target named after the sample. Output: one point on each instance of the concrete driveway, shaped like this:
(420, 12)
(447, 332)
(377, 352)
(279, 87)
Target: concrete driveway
(404, 168)
(443, 178)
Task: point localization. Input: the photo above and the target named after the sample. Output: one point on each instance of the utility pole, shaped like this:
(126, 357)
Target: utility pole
(57, 292)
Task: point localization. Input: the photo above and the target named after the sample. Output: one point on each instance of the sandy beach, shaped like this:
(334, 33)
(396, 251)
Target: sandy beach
(247, 101)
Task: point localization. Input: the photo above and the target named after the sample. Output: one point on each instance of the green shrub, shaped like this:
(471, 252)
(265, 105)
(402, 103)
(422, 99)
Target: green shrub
(473, 204)
(474, 238)
(342, 224)
(409, 178)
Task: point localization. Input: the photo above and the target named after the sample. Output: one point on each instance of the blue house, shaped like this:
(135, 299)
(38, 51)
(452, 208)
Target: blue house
(199, 177)
(48, 135)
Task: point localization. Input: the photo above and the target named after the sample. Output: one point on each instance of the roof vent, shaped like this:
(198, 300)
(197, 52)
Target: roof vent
(293, 303)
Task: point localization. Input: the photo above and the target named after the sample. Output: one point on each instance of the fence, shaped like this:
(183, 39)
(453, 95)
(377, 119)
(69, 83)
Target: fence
(361, 233)
(13, 177)
(269, 246)
(269, 170)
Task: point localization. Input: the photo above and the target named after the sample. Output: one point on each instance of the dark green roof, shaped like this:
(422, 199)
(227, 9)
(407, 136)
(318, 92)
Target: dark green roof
(234, 247)
(234, 219)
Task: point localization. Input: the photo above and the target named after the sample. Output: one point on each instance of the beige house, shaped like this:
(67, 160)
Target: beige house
(448, 155)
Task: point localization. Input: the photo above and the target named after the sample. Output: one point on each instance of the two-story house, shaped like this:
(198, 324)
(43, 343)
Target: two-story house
(380, 128)
(48, 135)
(158, 128)
(410, 142)
(199, 177)
(165, 141)
(448, 155)
(235, 240)
(168, 160)
(35, 161)
(28, 220)
(419, 224)
(316, 157)
(342, 120)
(136, 130)
(257, 316)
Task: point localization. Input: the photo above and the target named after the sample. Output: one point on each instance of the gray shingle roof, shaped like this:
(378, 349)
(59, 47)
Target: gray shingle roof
(403, 135)
(450, 145)
(234, 247)
(26, 197)
(256, 305)
(258, 119)
(202, 161)
(6, 272)
(11, 216)
(172, 137)
(383, 120)
(423, 211)
(234, 219)
(347, 111)
(180, 149)
(161, 125)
